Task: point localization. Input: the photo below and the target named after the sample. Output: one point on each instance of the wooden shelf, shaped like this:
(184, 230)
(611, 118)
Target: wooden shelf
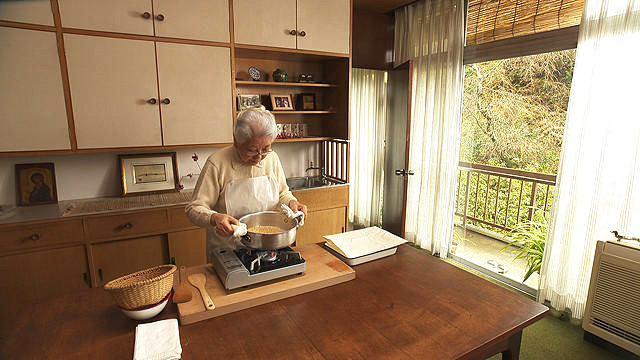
(273, 83)
(306, 139)
(307, 112)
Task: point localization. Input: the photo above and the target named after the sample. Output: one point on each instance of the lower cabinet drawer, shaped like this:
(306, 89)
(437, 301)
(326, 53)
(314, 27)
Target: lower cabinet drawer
(128, 225)
(178, 218)
(32, 236)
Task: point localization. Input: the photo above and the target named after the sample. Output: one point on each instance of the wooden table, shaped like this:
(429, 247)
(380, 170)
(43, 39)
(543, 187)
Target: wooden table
(407, 306)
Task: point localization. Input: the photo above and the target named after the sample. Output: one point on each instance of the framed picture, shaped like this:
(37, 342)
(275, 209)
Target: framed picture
(307, 102)
(36, 184)
(281, 102)
(247, 101)
(149, 173)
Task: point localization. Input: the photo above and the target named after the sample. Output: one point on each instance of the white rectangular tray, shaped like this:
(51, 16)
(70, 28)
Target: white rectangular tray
(364, 258)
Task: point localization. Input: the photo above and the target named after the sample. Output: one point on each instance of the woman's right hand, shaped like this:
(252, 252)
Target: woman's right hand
(222, 223)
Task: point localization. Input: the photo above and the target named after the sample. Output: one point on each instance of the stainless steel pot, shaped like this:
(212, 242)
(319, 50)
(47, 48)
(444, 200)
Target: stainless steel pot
(269, 241)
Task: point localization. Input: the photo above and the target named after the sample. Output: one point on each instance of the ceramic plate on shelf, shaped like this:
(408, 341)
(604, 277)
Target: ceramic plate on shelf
(254, 73)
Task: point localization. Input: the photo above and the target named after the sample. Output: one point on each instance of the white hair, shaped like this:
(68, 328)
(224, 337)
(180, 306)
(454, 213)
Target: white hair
(255, 122)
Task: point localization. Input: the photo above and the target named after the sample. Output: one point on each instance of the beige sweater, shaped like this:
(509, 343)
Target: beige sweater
(223, 167)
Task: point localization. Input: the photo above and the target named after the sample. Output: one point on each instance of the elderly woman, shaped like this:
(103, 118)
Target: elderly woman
(241, 179)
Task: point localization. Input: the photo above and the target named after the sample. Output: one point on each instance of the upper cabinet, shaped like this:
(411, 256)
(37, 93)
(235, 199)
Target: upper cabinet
(302, 24)
(324, 25)
(195, 93)
(114, 91)
(121, 16)
(32, 108)
(194, 19)
(32, 11)
(275, 26)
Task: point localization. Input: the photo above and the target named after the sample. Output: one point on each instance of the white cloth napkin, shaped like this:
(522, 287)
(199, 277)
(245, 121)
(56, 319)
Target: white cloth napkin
(291, 215)
(159, 340)
(239, 230)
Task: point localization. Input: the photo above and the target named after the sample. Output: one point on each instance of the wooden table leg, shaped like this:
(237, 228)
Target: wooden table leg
(513, 352)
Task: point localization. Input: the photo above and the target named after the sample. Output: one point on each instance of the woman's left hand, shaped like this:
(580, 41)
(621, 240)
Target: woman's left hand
(296, 206)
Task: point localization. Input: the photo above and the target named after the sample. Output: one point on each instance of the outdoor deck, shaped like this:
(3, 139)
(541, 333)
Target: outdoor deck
(480, 249)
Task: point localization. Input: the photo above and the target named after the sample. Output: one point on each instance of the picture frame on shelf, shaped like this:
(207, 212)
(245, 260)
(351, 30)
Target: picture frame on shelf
(281, 102)
(307, 101)
(148, 173)
(36, 184)
(247, 101)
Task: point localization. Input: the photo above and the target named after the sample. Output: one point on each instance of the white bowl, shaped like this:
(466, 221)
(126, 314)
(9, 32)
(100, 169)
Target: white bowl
(147, 312)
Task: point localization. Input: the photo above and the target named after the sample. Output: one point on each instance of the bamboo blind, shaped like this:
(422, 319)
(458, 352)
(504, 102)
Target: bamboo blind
(490, 20)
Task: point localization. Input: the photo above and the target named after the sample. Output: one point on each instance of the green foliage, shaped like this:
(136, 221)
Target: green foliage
(514, 111)
(529, 238)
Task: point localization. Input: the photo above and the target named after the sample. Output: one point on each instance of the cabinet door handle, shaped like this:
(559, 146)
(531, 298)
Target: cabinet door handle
(35, 237)
(127, 226)
(160, 17)
(146, 15)
(100, 274)
(302, 33)
(292, 32)
(152, 101)
(85, 277)
(166, 101)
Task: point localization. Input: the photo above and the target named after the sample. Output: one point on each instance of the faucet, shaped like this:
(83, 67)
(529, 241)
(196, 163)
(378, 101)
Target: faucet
(311, 167)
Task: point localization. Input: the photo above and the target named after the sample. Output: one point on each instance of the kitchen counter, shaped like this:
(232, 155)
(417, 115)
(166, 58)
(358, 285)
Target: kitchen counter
(407, 306)
(79, 207)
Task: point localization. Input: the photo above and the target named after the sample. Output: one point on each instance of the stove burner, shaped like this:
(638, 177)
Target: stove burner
(257, 261)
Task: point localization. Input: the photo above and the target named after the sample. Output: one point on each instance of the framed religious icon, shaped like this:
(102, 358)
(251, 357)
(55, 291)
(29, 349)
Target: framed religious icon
(149, 173)
(281, 102)
(36, 184)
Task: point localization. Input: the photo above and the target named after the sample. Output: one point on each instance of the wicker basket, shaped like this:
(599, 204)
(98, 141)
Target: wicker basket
(145, 287)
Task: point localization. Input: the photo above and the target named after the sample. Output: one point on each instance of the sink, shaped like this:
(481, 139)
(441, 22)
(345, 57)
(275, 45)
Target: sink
(307, 182)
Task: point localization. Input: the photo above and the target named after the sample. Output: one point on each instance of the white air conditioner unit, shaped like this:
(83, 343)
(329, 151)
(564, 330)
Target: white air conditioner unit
(613, 302)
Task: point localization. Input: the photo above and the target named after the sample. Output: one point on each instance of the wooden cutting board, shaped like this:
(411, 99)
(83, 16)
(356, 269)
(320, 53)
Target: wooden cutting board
(322, 270)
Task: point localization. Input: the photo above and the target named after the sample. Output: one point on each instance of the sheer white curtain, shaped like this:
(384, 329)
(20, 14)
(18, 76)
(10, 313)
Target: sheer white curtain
(432, 33)
(368, 118)
(598, 187)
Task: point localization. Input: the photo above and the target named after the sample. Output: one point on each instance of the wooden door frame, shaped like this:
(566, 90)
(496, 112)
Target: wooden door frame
(407, 65)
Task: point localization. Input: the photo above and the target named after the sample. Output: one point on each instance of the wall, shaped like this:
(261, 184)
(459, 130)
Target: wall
(372, 44)
(81, 176)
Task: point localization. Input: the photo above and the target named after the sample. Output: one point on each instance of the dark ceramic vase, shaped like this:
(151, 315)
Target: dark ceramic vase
(280, 75)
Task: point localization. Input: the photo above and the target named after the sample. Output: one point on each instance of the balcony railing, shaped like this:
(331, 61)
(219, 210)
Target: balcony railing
(501, 197)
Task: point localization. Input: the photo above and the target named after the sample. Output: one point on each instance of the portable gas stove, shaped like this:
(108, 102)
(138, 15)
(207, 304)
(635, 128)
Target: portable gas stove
(245, 266)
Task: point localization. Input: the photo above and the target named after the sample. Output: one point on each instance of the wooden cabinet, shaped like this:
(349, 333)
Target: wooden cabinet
(32, 107)
(320, 223)
(121, 16)
(112, 82)
(188, 248)
(41, 274)
(272, 27)
(326, 25)
(117, 258)
(112, 226)
(32, 11)
(302, 24)
(327, 213)
(114, 86)
(195, 93)
(24, 237)
(194, 19)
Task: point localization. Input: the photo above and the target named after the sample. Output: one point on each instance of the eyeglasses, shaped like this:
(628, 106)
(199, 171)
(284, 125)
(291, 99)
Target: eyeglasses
(261, 153)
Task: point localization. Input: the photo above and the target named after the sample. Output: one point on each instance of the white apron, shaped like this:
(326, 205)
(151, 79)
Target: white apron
(242, 197)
